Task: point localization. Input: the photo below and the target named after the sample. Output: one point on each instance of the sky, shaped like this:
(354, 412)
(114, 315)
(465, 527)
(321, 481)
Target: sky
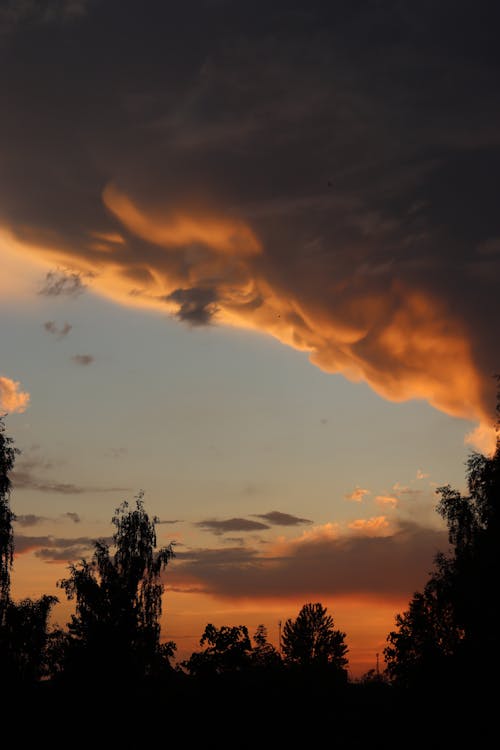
(250, 256)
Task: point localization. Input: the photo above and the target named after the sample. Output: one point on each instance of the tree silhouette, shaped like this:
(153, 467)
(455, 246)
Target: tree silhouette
(116, 626)
(227, 650)
(448, 628)
(264, 655)
(23, 626)
(7, 458)
(311, 639)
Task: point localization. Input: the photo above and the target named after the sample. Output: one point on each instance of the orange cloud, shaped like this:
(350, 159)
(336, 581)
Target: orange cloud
(483, 438)
(357, 494)
(179, 229)
(387, 500)
(371, 557)
(327, 532)
(205, 265)
(12, 398)
(376, 526)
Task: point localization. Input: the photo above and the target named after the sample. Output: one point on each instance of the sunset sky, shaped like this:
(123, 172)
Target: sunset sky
(250, 259)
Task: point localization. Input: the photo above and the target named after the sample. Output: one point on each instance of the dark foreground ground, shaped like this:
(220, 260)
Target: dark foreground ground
(229, 714)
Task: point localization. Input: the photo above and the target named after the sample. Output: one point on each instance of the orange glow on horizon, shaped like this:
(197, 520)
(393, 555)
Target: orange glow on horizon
(365, 619)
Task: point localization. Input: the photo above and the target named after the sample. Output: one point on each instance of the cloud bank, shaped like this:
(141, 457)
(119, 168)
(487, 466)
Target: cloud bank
(373, 558)
(328, 177)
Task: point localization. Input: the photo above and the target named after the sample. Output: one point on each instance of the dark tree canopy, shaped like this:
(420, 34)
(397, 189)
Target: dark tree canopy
(7, 459)
(264, 655)
(227, 650)
(312, 639)
(25, 635)
(116, 625)
(448, 628)
(23, 625)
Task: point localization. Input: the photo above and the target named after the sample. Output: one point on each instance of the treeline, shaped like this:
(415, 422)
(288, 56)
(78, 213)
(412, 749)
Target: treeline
(445, 641)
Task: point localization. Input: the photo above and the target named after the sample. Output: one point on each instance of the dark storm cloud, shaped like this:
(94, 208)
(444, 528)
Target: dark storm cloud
(393, 565)
(230, 524)
(83, 359)
(276, 518)
(18, 13)
(51, 327)
(325, 173)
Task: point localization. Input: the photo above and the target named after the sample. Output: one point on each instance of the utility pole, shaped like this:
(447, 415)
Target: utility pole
(279, 636)
(378, 671)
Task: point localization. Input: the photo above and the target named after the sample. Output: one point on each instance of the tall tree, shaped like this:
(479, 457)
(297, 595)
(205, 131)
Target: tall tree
(7, 458)
(312, 639)
(448, 628)
(115, 629)
(23, 626)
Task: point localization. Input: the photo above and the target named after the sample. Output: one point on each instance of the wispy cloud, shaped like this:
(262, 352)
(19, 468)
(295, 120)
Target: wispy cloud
(357, 494)
(83, 359)
(230, 524)
(403, 489)
(62, 283)
(387, 500)
(75, 517)
(29, 519)
(60, 332)
(31, 471)
(56, 549)
(277, 518)
(25, 478)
